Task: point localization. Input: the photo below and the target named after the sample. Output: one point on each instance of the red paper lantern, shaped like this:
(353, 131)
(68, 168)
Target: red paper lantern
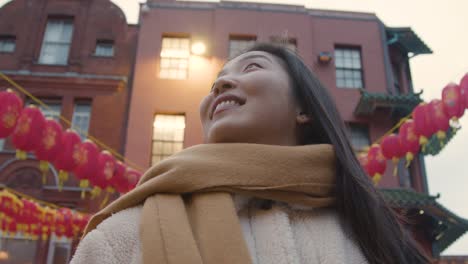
(391, 149)
(86, 158)
(408, 140)
(423, 125)
(10, 110)
(464, 90)
(452, 100)
(79, 222)
(65, 162)
(440, 119)
(49, 146)
(105, 172)
(376, 163)
(28, 131)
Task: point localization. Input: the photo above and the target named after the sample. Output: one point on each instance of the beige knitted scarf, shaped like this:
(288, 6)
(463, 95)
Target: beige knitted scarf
(188, 213)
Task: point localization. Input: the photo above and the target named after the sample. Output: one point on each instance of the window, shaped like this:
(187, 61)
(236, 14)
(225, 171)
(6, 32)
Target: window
(359, 136)
(59, 250)
(348, 68)
(81, 118)
(17, 249)
(175, 53)
(54, 108)
(289, 43)
(104, 48)
(57, 41)
(7, 44)
(168, 136)
(2, 143)
(238, 44)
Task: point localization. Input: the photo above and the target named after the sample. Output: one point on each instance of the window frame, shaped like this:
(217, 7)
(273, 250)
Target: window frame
(104, 42)
(344, 48)
(75, 105)
(166, 72)
(66, 20)
(4, 39)
(240, 38)
(161, 154)
(354, 126)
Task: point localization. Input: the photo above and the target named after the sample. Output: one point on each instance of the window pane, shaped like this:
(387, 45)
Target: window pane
(2, 143)
(7, 44)
(104, 48)
(19, 250)
(359, 136)
(81, 118)
(238, 45)
(167, 136)
(348, 68)
(53, 111)
(175, 53)
(57, 40)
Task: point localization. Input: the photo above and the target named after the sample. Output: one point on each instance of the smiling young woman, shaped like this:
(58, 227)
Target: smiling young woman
(276, 182)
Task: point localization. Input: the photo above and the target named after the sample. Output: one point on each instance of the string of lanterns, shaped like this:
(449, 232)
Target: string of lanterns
(427, 119)
(30, 131)
(25, 215)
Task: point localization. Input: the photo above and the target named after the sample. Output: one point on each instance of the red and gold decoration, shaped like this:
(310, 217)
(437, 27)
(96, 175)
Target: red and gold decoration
(28, 131)
(10, 109)
(452, 100)
(86, 158)
(36, 221)
(426, 121)
(392, 150)
(65, 162)
(440, 119)
(376, 163)
(49, 146)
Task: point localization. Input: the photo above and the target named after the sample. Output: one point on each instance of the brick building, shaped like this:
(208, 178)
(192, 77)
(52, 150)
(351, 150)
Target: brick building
(77, 57)
(369, 77)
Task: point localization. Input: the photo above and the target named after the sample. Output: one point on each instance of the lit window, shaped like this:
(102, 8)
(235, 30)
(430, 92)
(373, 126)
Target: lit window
(359, 136)
(289, 43)
(168, 136)
(175, 53)
(81, 118)
(348, 68)
(57, 41)
(7, 43)
(239, 44)
(104, 48)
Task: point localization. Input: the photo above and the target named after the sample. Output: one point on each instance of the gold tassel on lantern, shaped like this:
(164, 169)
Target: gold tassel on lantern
(95, 192)
(84, 184)
(409, 158)
(395, 166)
(44, 168)
(63, 177)
(109, 191)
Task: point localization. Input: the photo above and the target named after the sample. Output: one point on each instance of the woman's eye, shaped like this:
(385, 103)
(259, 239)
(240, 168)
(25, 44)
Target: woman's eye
(252, 65)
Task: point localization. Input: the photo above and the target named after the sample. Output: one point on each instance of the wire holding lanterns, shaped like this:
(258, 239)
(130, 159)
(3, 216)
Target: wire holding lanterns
(434, 120)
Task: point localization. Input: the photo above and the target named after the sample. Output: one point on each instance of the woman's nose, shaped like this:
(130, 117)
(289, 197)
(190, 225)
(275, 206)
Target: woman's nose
(223, 84)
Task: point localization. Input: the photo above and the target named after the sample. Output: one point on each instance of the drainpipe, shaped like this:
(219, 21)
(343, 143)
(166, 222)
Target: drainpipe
(388, 67)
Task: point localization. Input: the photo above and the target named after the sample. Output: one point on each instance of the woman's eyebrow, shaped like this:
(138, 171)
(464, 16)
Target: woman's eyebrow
(253, 56)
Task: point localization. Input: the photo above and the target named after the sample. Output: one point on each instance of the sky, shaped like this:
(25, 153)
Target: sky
(442, 25)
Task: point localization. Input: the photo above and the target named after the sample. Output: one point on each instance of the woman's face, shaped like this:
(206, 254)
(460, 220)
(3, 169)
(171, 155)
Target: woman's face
(251, 102)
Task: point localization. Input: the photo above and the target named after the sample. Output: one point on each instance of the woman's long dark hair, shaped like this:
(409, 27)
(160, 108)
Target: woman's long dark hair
(374, 225)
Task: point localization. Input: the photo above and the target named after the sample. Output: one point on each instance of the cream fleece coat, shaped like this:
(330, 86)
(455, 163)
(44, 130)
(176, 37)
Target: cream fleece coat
(278, 235)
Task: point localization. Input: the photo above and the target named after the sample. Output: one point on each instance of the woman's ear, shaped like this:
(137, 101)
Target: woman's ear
(302, 118)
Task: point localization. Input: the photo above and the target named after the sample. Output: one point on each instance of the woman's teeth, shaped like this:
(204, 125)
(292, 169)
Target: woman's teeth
(226, 104)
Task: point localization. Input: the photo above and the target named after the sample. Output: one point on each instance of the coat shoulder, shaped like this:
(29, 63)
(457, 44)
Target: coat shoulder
(117, 236)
